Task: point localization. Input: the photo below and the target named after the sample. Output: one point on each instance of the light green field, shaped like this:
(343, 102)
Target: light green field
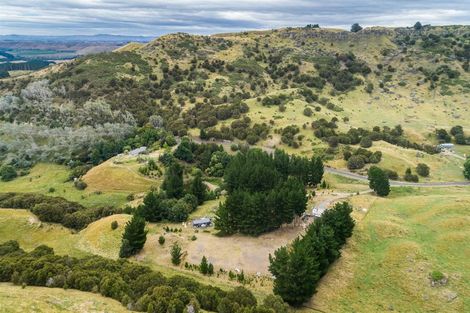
(108, 183)
(14, 299)
(395, 245)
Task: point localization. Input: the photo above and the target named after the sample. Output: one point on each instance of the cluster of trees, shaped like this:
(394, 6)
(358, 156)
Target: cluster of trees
(298, 268)
(339, 71)
(265, 191)
(379, 181)
(206, 268)
(456, 131)
(410, 177)
(241, 129)
(135, 286)
(56, 209)
(204, 115)
(358, 158)
(174, 202)
(208, 157)
(395, 136)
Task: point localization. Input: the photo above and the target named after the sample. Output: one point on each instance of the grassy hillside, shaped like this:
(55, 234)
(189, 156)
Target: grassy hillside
(397, 243)
(14, 299)
(253, 86)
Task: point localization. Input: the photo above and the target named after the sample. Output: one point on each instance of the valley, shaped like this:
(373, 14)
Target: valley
(332, 165)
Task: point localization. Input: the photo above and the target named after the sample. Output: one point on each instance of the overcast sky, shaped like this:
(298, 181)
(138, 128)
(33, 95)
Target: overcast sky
(155, 17)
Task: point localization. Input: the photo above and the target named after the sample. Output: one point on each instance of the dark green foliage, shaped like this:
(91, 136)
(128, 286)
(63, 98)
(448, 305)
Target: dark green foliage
(176, 254)
(56, 209)
(422, 170)
(129, 283)
(298, 268)
(356, 162)
(418, 26)
(391, 174)
(325, 130)
(204, 266)
(443, 135)
(466, 169)
(366, 142)
(157, 207)
(265, 191)
(355, 28)
(379, 181)
(114, 225)
(161, 240)
(184, 151)
(409, 177)
(7, 173)
(80, 184)
(308, 112)
(198, 188)
(134, 237)
(173, 182)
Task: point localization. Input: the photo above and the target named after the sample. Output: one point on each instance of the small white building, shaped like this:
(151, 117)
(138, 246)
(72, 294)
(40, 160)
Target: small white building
(445, 146)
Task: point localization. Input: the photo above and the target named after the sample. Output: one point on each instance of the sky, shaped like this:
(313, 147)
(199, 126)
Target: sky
(155, 17)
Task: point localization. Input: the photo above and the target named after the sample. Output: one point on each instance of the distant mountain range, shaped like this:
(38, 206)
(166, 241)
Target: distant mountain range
(76, 38)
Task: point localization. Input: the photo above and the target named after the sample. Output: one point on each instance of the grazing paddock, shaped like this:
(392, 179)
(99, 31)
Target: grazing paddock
(397, 242)
(14, 299)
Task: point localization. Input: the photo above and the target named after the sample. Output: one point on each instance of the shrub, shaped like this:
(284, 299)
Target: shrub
(114, 225)
(161, 240)
(466, 170)
(409, 177)
(366, 142)
(7, 173)
(436, 276)
(356, 162)
(308, 112)
(80, 184)
(422, 170)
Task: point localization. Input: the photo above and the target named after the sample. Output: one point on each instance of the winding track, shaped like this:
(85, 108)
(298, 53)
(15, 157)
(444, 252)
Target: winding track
(348, 174)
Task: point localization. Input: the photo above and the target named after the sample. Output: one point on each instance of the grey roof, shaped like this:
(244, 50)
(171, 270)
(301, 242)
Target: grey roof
(138, 151)
(203, 220)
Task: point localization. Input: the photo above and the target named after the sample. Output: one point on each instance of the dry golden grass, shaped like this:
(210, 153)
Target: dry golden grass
(118, 175)
(14, 299)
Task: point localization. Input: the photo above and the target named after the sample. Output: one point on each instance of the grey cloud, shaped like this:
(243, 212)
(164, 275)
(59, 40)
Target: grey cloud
(155, 17)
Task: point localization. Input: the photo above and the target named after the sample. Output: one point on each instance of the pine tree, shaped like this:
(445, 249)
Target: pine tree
(176, 254)
(173, 182)
(184, 151)
(296, 273)
(210, 269)
(315, 171)
(152, 209)
(204, 266)
(134, 237)
(198, 188)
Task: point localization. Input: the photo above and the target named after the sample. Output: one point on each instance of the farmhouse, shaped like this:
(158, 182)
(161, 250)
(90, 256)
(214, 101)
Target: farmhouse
(202, 222)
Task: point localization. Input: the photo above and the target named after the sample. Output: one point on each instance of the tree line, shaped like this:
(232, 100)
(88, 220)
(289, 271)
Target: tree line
(56, 209)
(265, 191)
(298, 268)
(135, 286)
